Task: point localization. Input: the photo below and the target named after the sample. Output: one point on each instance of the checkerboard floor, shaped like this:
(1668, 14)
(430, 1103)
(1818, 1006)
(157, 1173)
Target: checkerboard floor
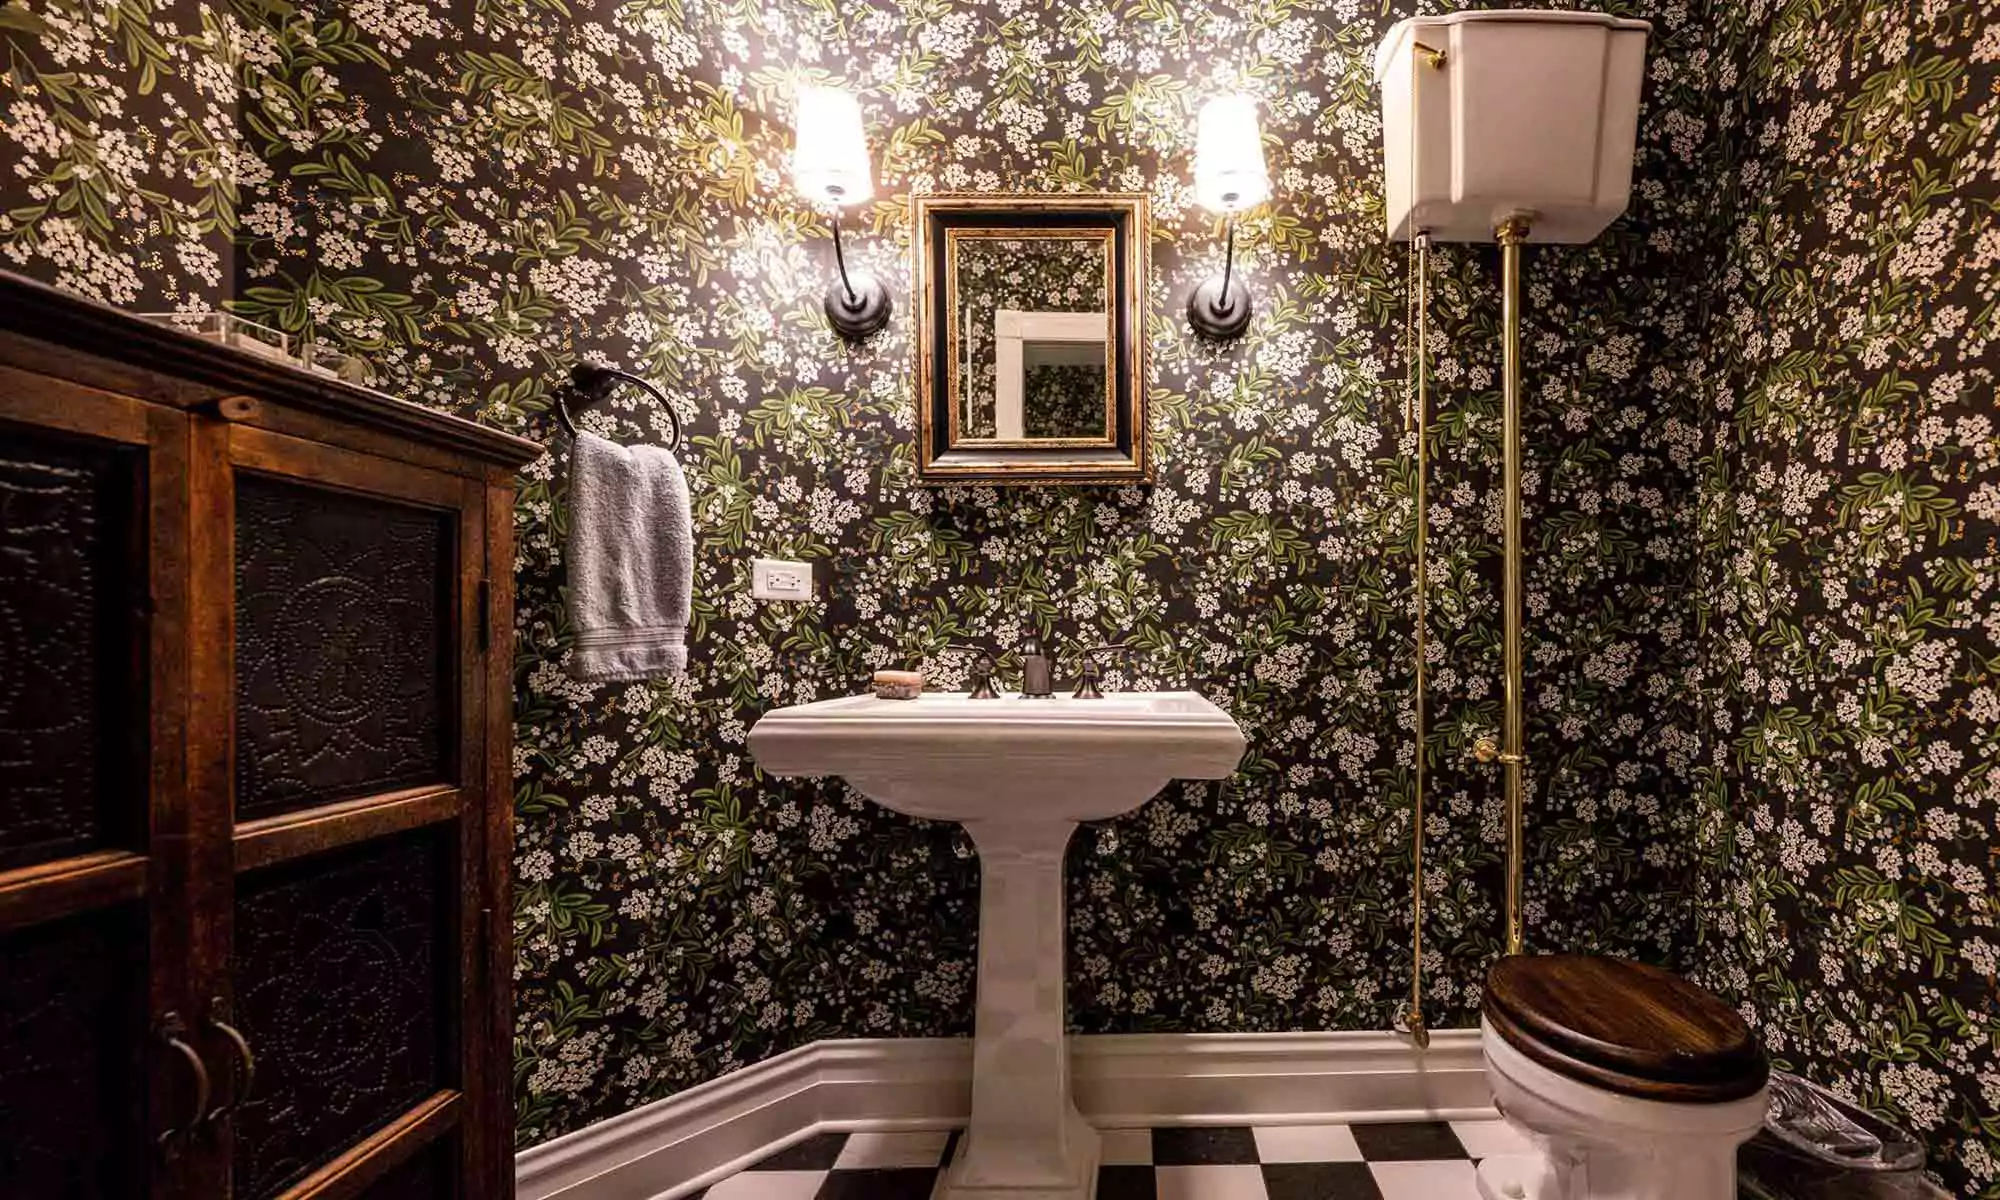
(1408, 1160)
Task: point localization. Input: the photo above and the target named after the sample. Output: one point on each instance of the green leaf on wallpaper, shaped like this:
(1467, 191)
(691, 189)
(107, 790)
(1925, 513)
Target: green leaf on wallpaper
(1954, 576)
(1287, 234)
(574, 130)
(482, 72)
(575, 914)
(340, 41)
(1878, 502)
(609, 970)
(1784, 736)
(532, 797)
(798, 412)
(1069, 169)
(1873, 801)
(918, 550)
(1153, 100)
(18, 19)
(1908, 86)
(1247, 460)
(132, 21)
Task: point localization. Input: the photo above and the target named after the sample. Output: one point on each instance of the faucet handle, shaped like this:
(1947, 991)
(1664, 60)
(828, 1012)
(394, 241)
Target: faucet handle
(980, 687)
(1087, 676)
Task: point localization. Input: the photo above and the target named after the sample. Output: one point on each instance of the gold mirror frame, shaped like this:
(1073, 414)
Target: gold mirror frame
(939, 224)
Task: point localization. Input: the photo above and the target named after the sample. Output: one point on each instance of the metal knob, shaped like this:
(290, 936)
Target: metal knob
(982, 679)
(1088, 676)
(980, 686)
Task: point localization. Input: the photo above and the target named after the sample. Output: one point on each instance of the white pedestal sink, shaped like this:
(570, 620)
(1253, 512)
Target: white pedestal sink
(1019, 774)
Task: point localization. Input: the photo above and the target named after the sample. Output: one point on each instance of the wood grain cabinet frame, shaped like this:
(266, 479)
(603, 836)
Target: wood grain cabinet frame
(255, 775)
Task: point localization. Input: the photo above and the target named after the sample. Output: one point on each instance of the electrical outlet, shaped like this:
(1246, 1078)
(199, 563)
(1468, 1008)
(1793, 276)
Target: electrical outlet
(777, 579)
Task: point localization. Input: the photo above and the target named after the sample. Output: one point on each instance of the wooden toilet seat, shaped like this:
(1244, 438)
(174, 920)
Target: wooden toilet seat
(1625, 1027)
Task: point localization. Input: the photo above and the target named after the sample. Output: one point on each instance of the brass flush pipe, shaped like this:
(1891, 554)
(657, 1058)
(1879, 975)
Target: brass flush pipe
(1511, 753)
(1416, 419)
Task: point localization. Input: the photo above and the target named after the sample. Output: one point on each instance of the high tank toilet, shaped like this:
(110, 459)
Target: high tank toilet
(1634, 1083)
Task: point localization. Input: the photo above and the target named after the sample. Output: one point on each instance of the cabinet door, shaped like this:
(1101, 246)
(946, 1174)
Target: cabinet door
(339, 689)
(102, 1081)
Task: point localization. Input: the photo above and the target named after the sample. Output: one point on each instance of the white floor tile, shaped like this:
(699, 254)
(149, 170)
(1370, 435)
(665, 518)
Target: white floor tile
(1210, 1183)
(923, 1148)
(1484, 1139)
(1305, 1143)
(1434, 1180)
(768, 1185)
(1126, 1147)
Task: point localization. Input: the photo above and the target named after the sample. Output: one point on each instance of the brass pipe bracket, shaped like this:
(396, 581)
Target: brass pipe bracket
(1487, 750)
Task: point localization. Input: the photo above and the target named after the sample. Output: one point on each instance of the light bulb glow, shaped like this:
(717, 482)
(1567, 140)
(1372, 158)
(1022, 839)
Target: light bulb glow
(1229, 174)
(829, 147)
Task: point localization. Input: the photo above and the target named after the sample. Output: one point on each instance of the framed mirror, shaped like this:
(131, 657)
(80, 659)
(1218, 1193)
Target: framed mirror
(1030, 335)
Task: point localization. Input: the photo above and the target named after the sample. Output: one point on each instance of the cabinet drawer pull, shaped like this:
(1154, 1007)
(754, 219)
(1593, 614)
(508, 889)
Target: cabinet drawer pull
(245, 1070)
(171, 1029)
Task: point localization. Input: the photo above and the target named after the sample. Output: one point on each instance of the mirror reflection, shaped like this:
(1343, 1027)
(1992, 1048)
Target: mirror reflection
(1031, 322)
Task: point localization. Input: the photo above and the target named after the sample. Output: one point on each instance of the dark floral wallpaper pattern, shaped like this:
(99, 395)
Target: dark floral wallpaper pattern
(1849, 586)
(1761, 498)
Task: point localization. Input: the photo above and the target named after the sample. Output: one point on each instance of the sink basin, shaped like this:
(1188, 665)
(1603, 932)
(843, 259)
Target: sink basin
(951, 758)
(1019, 774)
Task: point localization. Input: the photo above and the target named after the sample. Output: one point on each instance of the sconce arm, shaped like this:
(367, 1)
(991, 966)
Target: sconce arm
(1229, 259)
(840, 260)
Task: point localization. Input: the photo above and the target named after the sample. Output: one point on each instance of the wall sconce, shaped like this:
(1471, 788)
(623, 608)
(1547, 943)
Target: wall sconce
(830, 165)
(1229, 177)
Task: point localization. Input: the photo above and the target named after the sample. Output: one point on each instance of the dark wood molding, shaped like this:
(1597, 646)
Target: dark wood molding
(382, 1152)
(50, 890)
(270, 840)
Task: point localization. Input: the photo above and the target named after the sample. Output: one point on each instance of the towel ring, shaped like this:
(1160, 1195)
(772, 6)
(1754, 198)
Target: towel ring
(593, 383)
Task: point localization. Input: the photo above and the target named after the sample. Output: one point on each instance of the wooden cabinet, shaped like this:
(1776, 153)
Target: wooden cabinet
(255, 705)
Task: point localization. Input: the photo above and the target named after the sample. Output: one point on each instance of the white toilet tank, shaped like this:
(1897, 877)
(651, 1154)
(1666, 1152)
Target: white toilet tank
(1530, 113)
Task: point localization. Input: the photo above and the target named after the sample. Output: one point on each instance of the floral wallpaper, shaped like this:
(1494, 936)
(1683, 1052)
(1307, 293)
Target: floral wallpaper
(1063, 400)
(1760, 504)
(1042, 274)
(1850, 561)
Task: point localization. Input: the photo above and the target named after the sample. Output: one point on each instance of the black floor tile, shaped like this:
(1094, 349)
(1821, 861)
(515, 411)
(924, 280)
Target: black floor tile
(1320, 1181)
(888, 1183)
(816, 1153)
(1218, 1145)
(1400, 1141)
(1125, 1183)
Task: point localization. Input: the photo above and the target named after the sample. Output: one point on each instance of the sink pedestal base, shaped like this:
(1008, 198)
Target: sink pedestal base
(1026, 1140)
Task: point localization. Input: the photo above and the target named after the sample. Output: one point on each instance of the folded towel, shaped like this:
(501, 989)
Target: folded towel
(631, 561)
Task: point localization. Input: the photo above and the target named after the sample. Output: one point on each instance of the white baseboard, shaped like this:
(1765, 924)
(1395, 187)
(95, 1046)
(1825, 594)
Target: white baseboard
(673, 1146)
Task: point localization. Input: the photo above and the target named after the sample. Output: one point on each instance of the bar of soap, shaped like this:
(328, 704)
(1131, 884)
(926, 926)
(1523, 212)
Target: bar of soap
(899, 685)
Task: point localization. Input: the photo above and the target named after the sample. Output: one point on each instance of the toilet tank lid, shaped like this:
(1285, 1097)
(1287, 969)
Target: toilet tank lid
(1392, 42)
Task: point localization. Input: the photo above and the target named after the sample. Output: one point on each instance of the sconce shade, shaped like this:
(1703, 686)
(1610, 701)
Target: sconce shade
(1229, 173)
(829, 149)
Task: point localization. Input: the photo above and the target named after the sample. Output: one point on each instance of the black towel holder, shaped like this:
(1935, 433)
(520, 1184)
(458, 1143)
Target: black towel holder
(593, 383)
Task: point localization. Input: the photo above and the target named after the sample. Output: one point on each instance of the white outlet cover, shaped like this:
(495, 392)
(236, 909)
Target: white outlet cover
(778, 579)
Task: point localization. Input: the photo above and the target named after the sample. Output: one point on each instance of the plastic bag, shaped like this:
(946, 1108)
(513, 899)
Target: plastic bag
(1816, 1146)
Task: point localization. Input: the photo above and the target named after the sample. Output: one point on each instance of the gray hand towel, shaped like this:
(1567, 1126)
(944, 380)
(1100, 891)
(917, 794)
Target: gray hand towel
(631, 561)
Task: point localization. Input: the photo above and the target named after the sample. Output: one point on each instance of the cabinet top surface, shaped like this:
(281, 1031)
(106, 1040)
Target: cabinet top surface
(50, 315)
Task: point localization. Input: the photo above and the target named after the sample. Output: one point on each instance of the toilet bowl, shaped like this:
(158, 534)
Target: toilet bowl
(1633, 1083)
